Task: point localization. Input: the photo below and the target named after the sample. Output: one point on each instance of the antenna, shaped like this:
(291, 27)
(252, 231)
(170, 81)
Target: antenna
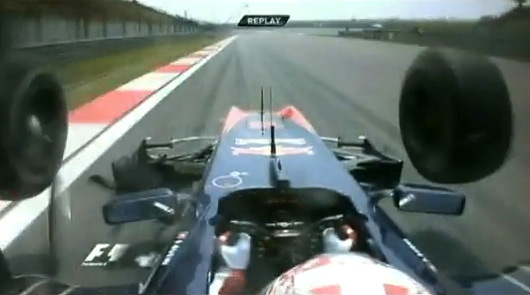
(273, 142)
(270, 101)
(261, 112)
(273, 128)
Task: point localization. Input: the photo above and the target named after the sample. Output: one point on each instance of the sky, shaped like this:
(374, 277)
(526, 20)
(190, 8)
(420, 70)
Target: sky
(221, 11)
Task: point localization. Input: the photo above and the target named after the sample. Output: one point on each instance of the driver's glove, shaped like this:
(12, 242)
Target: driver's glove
(238, 255)
(333, 244)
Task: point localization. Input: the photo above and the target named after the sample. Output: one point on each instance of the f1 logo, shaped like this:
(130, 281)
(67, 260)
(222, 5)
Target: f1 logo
(102, 254)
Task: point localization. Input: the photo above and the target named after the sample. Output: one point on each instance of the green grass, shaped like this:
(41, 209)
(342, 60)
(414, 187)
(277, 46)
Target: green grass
(502, 36)
(513, 23)
(87, 79)
(434, 26)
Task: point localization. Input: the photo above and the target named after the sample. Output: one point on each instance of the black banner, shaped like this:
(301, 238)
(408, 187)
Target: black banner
(263, 21)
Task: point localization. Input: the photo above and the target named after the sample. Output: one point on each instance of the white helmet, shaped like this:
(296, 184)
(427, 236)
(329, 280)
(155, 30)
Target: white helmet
(349, 274)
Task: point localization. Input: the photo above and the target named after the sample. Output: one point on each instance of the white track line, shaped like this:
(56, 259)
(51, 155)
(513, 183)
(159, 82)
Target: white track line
(79, 134)
(24, 213)
(3, 205)
(525, 268)
(516, 282)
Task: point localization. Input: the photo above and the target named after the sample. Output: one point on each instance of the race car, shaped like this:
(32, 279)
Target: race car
(270, 175)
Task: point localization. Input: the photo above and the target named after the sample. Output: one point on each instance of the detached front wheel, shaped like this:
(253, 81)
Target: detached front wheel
(33, 128)
(455, 116)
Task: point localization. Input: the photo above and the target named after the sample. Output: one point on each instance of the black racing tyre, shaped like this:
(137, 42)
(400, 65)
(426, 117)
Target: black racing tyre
(33, 128)
(455, 116)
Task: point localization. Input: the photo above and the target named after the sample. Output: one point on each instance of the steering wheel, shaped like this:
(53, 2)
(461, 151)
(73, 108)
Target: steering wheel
(285, 252)
(251, 228)
(255, 229)
(260, 232)
(334, 221)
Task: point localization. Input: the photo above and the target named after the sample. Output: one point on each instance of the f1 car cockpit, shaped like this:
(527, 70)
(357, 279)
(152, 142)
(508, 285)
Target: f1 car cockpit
(286, 225)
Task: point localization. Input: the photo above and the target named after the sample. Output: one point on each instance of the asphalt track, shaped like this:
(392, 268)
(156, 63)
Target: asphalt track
(345, 88)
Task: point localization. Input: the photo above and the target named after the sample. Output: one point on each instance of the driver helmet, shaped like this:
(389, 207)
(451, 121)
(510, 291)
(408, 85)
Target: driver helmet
(348, 273)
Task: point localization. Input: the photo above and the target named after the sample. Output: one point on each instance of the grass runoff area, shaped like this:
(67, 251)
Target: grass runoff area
(88, 78)
(504, 35)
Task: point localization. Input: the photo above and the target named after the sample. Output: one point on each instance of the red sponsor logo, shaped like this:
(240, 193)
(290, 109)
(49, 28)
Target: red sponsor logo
(266, 150)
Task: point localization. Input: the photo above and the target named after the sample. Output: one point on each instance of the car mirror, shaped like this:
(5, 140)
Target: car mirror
(158, 204)
(428, 199)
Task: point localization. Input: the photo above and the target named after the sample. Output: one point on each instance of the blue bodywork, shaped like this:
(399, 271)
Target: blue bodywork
(306, 162)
